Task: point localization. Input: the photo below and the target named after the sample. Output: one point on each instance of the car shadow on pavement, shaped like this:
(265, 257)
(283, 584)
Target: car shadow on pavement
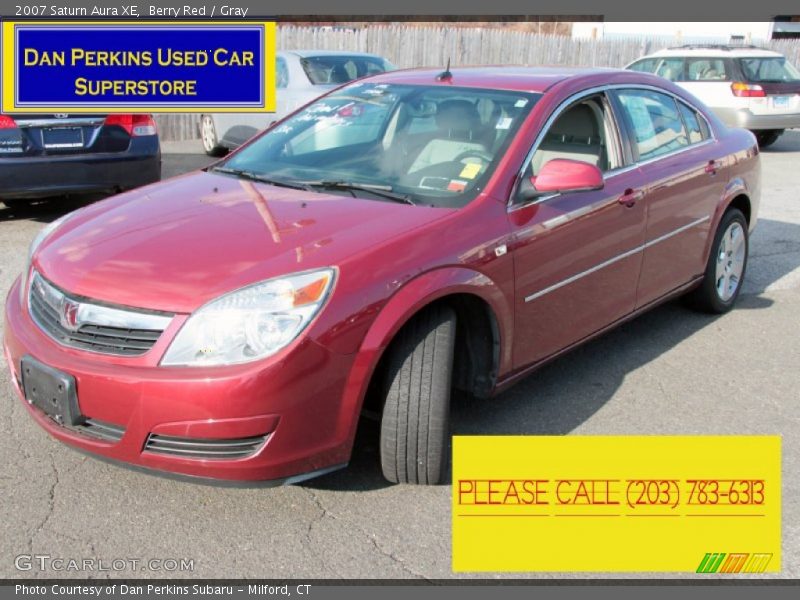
(563, 394)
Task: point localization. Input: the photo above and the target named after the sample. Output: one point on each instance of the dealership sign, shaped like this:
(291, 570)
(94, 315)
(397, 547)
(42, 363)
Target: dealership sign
(155, 67)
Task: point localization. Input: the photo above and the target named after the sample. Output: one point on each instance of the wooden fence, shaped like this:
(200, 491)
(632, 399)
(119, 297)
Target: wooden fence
(414, 46)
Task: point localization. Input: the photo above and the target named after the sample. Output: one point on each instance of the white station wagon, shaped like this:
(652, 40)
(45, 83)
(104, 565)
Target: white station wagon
(745, 86)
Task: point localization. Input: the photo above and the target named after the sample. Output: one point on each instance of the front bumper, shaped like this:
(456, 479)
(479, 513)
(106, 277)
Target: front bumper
(41, 176)
(298, 400)
(746, 119)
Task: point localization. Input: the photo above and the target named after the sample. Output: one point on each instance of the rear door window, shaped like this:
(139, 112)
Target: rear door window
(654, 122)
(671, 68)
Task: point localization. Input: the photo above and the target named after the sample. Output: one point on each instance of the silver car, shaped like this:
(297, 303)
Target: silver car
(301, 76)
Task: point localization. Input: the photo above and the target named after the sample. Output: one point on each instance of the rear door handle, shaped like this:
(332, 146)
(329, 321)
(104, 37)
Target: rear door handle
(711, 167)
(630, 197)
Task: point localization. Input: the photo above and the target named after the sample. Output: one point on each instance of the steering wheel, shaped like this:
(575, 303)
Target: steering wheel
(481, 154)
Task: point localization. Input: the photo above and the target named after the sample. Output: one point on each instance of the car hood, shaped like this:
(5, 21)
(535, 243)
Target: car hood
(176, 245)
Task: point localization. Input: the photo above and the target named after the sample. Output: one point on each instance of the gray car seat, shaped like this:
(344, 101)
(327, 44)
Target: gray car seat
(458, 130)
(575, 135)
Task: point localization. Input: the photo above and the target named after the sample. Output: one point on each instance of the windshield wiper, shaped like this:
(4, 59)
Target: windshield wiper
(253, 176)
(383, 191)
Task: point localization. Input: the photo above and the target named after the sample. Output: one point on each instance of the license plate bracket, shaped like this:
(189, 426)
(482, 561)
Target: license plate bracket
(51, 391)
(780, 101)
(62, 138)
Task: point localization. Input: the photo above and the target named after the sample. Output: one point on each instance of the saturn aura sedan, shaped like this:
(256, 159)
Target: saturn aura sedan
(405, 236)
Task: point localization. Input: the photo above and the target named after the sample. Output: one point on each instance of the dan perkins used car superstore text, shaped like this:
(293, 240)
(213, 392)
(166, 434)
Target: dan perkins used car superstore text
(130, 10)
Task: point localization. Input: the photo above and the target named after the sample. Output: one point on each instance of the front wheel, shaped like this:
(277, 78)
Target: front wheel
(415, 430)
(726, 266)
(208, 133)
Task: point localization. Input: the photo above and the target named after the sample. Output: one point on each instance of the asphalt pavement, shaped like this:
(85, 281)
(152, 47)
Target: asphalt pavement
(671, 371)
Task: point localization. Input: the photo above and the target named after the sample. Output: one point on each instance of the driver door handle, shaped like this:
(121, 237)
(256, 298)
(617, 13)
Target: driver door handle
(630, 197)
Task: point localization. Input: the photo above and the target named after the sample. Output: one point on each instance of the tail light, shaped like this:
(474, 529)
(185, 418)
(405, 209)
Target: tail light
(747, 90)
(135, 125)
(7, 122)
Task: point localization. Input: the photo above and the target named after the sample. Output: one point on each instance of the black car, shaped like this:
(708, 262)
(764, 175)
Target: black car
(50, 155)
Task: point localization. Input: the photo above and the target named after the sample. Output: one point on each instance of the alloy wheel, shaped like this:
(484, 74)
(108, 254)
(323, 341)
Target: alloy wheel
(730, 261)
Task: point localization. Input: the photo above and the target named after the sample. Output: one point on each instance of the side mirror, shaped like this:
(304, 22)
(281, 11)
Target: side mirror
(562, 175)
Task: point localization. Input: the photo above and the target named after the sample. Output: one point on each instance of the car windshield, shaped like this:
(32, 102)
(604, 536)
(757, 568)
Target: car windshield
(335, 70)
(769, 70)
(432, 145)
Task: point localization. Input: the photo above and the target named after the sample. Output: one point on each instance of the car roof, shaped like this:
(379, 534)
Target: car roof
(518, 78)
(715, 51)
(312, 53)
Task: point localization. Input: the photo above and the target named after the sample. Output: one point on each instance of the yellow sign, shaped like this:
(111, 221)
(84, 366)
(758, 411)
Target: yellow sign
(701, 504)
(120, 66)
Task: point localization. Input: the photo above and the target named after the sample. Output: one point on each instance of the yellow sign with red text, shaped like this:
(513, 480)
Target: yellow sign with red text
(703, 504)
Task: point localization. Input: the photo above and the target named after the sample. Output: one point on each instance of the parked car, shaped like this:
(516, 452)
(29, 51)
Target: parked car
(50, 155)
(745, 86)
(406, 235)
(301, 76)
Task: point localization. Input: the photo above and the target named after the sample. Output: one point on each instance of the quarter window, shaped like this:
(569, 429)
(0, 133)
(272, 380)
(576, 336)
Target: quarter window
(654, 121)
(769, 69)
(694, 124)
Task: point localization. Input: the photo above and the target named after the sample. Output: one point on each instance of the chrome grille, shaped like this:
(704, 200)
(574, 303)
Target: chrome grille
(81, 324)
(204, 448)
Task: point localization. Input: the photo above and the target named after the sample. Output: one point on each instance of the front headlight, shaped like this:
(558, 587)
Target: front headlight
(250, 323)
(43, 234)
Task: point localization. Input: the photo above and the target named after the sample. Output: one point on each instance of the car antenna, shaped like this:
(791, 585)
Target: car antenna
(445, 75)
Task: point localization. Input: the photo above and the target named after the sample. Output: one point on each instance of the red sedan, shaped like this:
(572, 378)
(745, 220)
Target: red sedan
(404, 236)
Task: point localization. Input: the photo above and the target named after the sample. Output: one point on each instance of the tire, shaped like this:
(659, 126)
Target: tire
(208, 134)
(727, 264)
(16, 204)
(415, 434)
(767, 137)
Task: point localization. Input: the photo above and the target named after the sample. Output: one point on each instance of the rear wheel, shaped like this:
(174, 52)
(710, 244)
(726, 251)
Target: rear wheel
(208, 133)
(767, 137)
(16, 204)
(414, 439)
(726, 266)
